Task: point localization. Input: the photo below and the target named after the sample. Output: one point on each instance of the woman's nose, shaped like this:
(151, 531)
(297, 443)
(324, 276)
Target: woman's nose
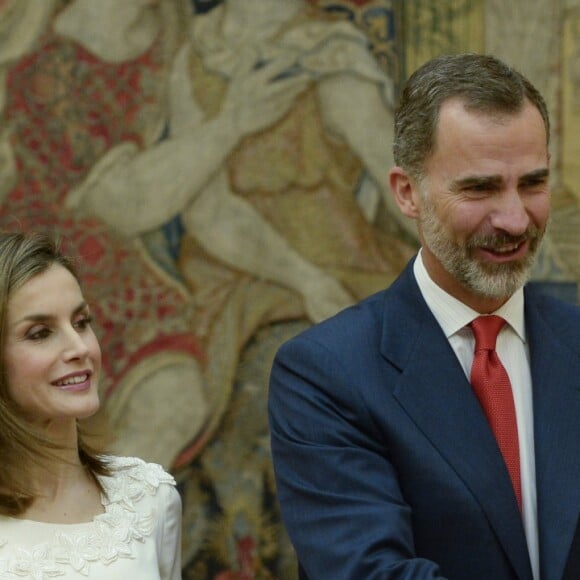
(75, 346)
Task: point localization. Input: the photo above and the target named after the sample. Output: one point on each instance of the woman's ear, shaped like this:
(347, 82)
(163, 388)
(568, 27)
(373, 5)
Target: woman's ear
(405, 191)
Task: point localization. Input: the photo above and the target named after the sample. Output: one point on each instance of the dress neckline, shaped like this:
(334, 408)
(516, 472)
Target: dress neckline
(52, 524)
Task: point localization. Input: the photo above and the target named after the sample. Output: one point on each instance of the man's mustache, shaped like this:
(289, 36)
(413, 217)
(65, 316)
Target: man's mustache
(532, 234)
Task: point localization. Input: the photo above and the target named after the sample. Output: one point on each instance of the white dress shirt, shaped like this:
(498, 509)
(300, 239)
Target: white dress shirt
(453, 316)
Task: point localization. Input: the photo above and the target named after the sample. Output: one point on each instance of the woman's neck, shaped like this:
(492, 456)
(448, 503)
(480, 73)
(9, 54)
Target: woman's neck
(59, 467)
(65, 492)
(60, 462)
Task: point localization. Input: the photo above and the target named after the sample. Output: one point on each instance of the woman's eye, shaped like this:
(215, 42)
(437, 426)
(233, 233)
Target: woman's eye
(38, 333)
(83, 322)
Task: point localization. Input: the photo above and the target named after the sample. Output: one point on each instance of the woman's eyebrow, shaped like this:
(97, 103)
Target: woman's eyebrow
(40, 317)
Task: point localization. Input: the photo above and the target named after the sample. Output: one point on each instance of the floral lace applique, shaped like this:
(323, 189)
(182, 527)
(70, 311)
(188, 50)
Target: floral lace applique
(36, 563)
(107, 538)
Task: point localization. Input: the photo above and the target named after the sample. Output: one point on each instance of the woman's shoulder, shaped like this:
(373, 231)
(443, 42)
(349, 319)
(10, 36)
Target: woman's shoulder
(137, 468)
(137, 500)
(131, 479)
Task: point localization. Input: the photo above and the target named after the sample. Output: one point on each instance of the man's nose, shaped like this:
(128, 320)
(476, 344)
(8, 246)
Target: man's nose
(510, 213)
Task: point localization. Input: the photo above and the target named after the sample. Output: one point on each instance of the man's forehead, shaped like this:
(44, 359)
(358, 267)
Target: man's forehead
(463, 109)
(460, 126)
(458, 107)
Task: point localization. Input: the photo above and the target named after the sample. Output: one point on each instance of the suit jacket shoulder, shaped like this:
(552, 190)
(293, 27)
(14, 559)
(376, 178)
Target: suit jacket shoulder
(562, 318)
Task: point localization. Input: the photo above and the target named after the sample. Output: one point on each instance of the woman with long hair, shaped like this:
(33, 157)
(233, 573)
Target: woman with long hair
(66, 510)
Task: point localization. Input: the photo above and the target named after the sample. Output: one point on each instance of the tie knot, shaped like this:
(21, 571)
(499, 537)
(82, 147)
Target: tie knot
(486, 329)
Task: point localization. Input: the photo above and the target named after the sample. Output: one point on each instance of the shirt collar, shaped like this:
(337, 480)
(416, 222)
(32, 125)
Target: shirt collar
(453, 315)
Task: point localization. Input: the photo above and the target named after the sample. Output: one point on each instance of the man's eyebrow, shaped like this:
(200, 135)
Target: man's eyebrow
(535, 176)
(475, 181)
(482, 181)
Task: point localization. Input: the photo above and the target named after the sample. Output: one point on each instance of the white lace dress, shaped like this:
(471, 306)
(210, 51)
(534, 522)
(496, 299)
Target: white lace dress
(137, 538)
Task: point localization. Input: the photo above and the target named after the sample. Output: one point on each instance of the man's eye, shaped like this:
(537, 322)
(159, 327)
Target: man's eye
(481, 187)
(540, 183)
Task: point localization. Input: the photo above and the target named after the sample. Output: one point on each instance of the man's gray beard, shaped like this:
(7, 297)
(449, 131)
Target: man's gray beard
(485, 279)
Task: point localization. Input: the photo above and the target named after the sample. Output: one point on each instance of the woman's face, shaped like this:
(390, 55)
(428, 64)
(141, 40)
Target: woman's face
(52, 356)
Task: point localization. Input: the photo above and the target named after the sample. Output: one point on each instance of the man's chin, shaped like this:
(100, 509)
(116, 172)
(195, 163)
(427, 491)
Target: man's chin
(495, 281)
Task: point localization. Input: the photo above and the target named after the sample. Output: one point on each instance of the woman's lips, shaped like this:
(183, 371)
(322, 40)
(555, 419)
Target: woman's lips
(74, 382)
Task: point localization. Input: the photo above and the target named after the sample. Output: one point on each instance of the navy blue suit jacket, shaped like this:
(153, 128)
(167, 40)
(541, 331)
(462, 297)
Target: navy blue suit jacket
(385, 464)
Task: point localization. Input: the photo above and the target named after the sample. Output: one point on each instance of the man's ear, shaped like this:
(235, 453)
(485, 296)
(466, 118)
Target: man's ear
(405, 191)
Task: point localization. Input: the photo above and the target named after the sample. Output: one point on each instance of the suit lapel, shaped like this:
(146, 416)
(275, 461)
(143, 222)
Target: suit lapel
(556, 383)
(437, 396)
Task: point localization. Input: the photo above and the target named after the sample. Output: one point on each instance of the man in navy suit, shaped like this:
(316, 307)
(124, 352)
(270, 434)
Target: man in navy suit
(386, 464)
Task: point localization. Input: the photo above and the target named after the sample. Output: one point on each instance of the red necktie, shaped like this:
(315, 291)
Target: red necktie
(492, 386)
